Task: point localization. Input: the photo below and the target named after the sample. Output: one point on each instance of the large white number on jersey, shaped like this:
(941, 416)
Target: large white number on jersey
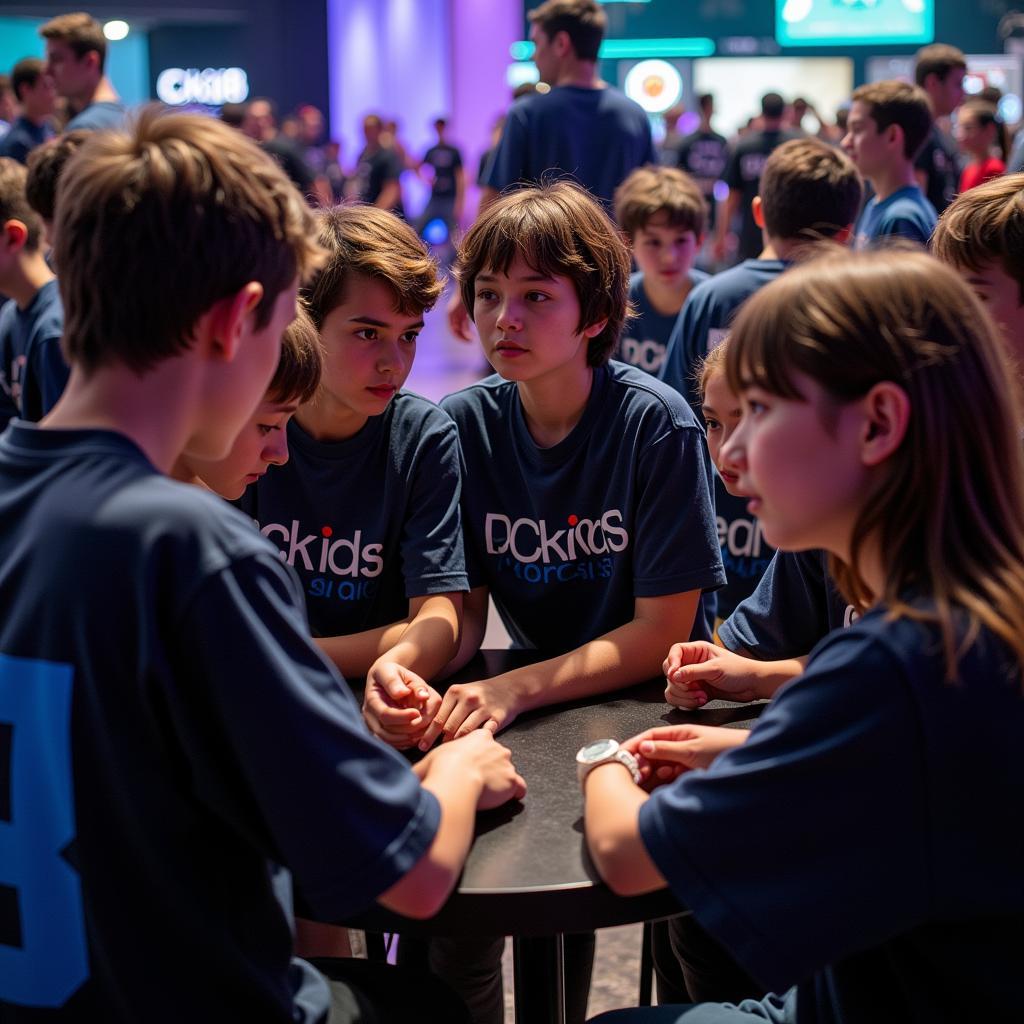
(43, 956)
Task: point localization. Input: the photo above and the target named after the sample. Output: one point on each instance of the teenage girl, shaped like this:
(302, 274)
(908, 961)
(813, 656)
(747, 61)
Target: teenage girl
(978, 131)
(862, 845)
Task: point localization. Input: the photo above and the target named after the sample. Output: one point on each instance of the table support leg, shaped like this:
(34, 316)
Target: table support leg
(539, 971)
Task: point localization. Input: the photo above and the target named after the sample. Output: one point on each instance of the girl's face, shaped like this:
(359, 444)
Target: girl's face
(974, 137)
(799, 461)
(722, 411)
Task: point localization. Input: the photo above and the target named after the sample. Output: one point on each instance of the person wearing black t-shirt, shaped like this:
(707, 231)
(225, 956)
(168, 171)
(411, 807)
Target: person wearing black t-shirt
(940, 71)
(448, 186)
(378, 170)
(704, 155)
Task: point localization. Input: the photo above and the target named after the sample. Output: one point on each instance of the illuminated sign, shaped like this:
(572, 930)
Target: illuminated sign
(655, 84)
(853, 22)
(211, 86)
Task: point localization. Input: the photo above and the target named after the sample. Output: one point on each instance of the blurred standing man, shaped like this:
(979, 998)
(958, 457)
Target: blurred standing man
(580, 128)
(704, 155)
(940, 71)
(76, 51)
(743, 176)
(378, 170)
(36, 95)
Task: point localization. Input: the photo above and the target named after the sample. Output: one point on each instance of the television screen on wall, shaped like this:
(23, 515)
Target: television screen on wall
(854, 22)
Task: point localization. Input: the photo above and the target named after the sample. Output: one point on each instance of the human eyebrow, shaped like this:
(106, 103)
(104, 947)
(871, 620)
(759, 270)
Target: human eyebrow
(368, 320)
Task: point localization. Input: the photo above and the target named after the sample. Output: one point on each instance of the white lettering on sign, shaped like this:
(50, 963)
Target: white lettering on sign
(212, 86)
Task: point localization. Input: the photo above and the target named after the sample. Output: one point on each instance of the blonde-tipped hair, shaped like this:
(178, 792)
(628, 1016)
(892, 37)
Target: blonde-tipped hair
(948, 512)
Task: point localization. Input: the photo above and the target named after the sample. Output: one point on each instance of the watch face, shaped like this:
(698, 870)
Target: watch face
(597, 750)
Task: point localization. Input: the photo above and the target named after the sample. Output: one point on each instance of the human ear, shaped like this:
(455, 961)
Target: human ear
(886, 409)
(757, 209)
(229, 317)
(15, 234)
(593, 330)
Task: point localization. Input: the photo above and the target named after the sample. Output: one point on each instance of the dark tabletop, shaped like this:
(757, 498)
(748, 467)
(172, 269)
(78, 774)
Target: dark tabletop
(528, 872)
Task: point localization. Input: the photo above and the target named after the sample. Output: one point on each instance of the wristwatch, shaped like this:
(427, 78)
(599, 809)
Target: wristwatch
(603, 752)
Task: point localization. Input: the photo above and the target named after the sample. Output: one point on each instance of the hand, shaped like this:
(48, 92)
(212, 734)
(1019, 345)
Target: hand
(697, 672)
(467, 706)
(667, 752)
(397, 704)
(458, 318)
(480, 752)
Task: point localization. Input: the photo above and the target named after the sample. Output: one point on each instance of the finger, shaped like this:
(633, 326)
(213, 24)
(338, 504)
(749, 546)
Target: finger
(688, 700)
(436, 727)
(470, 723)
(400, 719)
(491, 726)
(677, 752)
(520, 787)
(394, 686)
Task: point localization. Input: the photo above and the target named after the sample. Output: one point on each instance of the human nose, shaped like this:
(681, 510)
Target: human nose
(733, 453)
(275, 451)
(389, 357)
(509, 316)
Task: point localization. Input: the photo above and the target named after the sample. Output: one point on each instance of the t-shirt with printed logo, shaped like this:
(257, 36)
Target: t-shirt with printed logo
(371, 521)
(567, 537)
(705, 319)
(794, 606)
(745, 553)
(644, 339)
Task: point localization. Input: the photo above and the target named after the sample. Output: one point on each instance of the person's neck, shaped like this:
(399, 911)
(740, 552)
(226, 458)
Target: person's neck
(156, 410)
(26, 277)
(554, 403)
(104, 92)
(705, 124)
(580, 73)
(891, 179)
(772, 125)
(326, 419)
(184, 473)
(666, 299)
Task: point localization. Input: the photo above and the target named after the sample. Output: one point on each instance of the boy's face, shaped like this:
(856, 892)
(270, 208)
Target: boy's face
(722, 412)
(864, 144)
(1000, 295)
(262, 443)
(529, 323)
(39, 100)
(665, 253)
(946, 94)
(73, 76)
(369, 349)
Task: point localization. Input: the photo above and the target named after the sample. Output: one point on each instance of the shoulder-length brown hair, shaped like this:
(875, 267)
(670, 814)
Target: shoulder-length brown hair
(949, 512)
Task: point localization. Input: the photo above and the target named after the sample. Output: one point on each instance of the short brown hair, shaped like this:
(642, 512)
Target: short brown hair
(301, 362)
(560, 230)
(26, 73)
(809, 190)
(896, 102)
(14, 205)
(158, 223)
(938, 59)
(985, 225)
(45, 165)
(365, 240)
(582, 20)
(713, 362)
(80, 31)
(650, 191)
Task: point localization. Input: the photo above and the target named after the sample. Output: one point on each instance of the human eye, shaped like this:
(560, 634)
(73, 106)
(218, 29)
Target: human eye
(367, 333)
(485, 295)
(265, 428)
(409, 337)
(712, 424)
(537, 296)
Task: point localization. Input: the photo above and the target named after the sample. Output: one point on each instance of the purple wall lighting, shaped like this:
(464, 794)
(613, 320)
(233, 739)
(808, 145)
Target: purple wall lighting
(416, 59)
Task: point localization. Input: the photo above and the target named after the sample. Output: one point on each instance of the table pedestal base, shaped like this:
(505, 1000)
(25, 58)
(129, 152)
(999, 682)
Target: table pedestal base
(539, 971)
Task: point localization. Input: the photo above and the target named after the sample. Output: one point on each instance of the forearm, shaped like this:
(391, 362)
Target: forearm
(355, 653)
(430, 640)
(724, 222)
(769, 676)
(611, 819)
(389, 195)
(422, 892)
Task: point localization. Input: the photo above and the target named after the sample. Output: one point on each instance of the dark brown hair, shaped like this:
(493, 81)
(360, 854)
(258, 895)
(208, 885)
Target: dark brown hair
(45, 165)
(947, 509)
(938, 59)
(560, 231)
(26, 72)
(364, 240)
(895, 102)
(582, 20)
(80, 31)
(809, 190)
(301, 362)
(650, 191)
(157, 224)
(14, 205)
(985, 225)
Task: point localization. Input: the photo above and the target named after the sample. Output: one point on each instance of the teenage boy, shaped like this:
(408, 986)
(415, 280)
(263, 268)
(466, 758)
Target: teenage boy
(36, 97)
(704, 155)
(939, 70)
(662, 213)
(169, 730)
(33, 372)
(76, 51)
(263, 441)
(447, 183)
(808, 191)
(887, 125)
(367, 509)
(45, 165)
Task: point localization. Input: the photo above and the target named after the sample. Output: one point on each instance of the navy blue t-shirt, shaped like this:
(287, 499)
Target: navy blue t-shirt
(24, 136)
(446, 160)
(168, 733)
(745, 553)
(33, 373)
(567, 537)
(794, 606)
(865, 842)
(705, 319)
(905, 214)
(371, 521)
(644, 339)
(939, 158)
(596, 136)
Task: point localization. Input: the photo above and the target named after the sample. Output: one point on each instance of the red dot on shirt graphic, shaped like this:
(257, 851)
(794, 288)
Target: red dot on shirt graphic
(327, 531)
(573, 520)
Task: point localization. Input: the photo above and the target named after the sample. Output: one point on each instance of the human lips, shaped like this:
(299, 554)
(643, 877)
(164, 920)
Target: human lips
(509, 349)
(384, 391)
